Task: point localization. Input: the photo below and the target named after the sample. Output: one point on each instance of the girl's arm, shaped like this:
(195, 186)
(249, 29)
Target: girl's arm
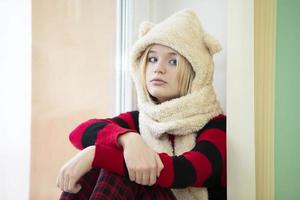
(104, 131)
(203, 166)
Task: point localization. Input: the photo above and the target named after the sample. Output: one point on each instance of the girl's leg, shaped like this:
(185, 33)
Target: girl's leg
(115, 187)
(88, 182)
(155, 192)
(111, 186)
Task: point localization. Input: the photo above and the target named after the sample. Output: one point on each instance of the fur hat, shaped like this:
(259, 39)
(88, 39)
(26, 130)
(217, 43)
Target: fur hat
(182, 32)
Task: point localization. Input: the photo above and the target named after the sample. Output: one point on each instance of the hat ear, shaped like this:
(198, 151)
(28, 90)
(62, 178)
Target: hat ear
(212, 44)
(145, 27)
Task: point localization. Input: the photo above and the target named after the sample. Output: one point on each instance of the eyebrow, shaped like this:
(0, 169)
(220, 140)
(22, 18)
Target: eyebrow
(170, 53)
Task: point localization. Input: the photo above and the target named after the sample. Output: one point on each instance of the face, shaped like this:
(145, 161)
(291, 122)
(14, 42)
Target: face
(161, 73)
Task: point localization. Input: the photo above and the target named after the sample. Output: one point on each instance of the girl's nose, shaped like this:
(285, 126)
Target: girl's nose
(159, 68)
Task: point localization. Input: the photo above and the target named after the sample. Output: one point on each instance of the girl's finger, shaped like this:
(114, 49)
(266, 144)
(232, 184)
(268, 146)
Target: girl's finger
(66, 183)
(60, 181)
(145, 178)
(152, 177)
(131, 174)
(159, 164)
(138, 177)
(73, 186)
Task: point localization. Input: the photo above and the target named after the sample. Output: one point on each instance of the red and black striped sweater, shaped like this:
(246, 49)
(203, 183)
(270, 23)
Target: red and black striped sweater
(203, 166)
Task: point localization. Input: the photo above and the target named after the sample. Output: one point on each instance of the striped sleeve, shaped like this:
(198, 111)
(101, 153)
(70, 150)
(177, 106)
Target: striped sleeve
(203, 166)
(104, 131)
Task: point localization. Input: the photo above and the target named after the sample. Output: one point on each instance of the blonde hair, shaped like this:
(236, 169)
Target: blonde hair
(185, 77)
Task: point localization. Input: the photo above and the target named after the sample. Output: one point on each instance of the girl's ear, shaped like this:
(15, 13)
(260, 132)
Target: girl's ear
(145, 27)
(212, 44)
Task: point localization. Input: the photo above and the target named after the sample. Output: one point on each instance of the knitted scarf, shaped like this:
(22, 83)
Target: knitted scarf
(181, 117)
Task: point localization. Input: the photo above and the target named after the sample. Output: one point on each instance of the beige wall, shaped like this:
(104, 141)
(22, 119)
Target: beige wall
(73, 51)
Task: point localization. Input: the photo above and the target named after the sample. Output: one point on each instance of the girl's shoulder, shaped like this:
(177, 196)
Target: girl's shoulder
(131, 117)
(218, 122)
(133, 114)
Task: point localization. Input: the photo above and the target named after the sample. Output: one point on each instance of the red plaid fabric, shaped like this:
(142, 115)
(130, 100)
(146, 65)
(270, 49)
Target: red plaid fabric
(109, 186)
(87, 183)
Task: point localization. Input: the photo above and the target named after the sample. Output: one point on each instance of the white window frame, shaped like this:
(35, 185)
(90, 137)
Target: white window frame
(15, 100)
(124, 87)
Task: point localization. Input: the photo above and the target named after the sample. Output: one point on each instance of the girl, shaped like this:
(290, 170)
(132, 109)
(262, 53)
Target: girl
(174, 147)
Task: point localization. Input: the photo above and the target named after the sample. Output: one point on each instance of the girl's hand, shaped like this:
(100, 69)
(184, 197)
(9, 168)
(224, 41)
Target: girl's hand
(143, 164)
(73, 170)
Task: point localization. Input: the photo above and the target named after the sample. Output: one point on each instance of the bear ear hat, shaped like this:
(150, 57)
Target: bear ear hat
(211, 43)
(145, 27)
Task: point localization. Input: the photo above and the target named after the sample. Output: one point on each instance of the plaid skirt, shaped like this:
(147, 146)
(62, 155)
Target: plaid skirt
(101, 184)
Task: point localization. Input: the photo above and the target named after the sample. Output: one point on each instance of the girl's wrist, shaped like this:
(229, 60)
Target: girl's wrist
(127, 138)
(90, 154)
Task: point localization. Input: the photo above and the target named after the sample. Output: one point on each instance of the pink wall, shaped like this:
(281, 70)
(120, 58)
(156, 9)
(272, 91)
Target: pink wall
(73, 52)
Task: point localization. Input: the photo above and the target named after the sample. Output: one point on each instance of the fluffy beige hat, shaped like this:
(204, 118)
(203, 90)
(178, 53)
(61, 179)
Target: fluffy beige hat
(182, 32)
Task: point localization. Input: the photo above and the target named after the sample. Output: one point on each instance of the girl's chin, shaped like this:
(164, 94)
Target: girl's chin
(158, 95)
(160, 98)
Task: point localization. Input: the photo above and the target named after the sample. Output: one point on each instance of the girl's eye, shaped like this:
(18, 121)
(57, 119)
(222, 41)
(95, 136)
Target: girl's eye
(173, 62)
(152, 59)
